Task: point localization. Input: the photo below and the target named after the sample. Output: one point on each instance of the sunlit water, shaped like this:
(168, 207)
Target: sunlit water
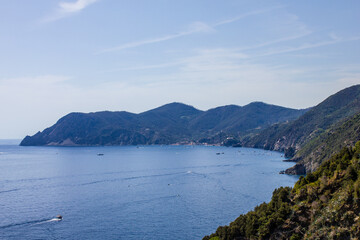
(151, 192)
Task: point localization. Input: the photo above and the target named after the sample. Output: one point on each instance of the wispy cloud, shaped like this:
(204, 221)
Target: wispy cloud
(196, 27)
(203, 57)
(308, 46)
(248, 14)
(293, 29)
(271, 42)
(220, 59)
(66, 9)
(145, 67)
(71, 7)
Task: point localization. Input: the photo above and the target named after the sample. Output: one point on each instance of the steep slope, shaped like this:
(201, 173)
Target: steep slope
(323, 205)
(313, 153)
(168, 124)
(290, 137)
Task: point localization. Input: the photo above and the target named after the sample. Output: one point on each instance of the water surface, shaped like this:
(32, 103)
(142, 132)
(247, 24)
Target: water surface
(151, 192)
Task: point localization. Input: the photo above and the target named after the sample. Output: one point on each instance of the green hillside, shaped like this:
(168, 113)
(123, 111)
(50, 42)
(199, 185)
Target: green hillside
(312, 154)
(173, 123)
(323, 205)
(311, 128)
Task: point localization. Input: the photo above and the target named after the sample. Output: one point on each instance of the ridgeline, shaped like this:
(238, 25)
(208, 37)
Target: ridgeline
(305, 137)
(174, 123)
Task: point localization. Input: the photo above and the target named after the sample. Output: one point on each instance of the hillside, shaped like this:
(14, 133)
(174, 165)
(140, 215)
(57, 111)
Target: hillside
(316, 123)
(241, 120)
(323, 205)
(313, 153)
(173, 123)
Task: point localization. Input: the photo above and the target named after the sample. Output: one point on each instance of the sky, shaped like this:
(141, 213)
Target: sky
(62, 56)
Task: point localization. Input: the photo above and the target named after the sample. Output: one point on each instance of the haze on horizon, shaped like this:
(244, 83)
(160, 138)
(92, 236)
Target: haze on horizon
(66, 56)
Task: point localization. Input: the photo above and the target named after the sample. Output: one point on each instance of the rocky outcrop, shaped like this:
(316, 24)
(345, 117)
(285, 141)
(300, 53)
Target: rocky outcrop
(297, 169)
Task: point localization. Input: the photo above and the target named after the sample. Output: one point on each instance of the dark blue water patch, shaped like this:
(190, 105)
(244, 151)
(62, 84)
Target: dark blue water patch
(153, 192)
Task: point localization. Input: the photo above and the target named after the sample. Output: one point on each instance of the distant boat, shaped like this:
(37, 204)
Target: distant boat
(100, 154)
(217, 153)
(59, 217)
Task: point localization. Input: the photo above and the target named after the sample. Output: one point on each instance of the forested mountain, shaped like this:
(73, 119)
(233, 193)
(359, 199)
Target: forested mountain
(314, 127)
(323, 205)
(313, 153)
(306, 136)
(240, 120)
(174, 123)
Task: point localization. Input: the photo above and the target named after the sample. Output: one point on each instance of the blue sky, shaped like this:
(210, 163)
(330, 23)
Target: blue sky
(64, 56)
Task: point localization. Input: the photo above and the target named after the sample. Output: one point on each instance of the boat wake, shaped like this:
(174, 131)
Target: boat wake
(50, 220)
(31, 223)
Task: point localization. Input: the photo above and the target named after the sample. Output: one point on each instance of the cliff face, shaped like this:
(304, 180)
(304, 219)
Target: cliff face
(169, 124)
(313, 153)
(323, 205)
(315, 124)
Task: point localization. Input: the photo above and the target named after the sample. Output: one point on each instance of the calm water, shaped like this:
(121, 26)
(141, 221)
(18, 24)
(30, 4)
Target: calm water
(152, 192)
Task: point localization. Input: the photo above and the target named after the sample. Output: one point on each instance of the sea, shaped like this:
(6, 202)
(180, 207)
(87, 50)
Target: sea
(131, 192)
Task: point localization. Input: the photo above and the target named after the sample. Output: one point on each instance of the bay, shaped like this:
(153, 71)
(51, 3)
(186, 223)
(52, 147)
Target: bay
(144, 192)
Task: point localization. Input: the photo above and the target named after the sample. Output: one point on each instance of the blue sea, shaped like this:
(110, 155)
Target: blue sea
(145, 192)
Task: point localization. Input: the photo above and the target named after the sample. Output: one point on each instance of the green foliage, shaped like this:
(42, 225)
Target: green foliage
(168, 124)
(343, 134)
(322, 205)
(295, 236)
(259, 224)
(319, 133)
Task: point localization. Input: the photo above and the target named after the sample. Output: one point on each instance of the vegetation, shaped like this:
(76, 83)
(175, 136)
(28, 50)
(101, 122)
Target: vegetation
(314, 125)
(169, 124)
(323, 205)
(345, 133)
(260, 222)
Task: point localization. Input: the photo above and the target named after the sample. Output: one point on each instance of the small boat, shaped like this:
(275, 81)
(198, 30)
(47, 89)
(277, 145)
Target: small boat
(100, 154)
(217, 153)
(59, 217)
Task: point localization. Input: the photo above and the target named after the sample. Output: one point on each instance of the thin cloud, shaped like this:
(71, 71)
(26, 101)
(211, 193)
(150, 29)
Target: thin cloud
(292, 23)
(145, 67)
(196, 27)
(237, 18)
(202, 55)
(308, 46)
(236, 53)
(71, 7)
(145, 42)
(66, 9)
(285, 39)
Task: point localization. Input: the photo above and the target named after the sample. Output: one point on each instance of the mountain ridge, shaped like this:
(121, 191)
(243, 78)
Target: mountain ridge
(168, 124)
(298, 133)
(291, 137)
